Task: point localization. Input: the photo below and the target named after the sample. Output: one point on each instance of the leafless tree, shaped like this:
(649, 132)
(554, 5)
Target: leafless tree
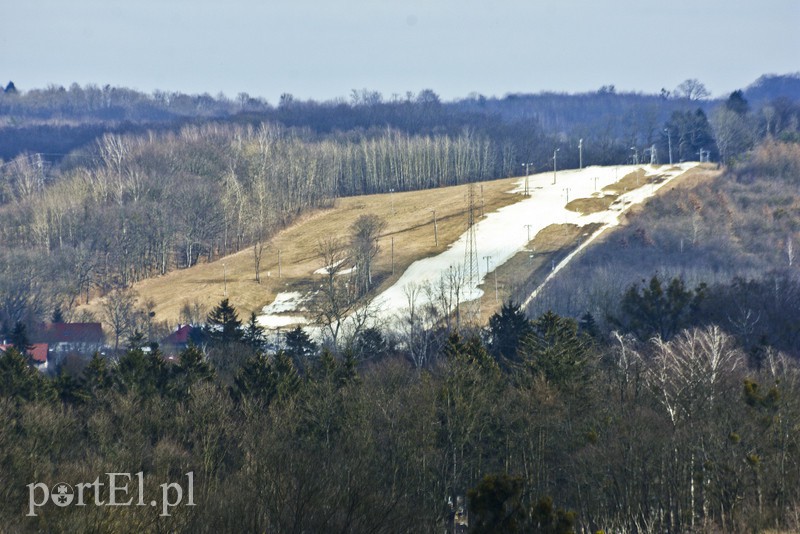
(336, 297)
(119, 313)
(365, 232)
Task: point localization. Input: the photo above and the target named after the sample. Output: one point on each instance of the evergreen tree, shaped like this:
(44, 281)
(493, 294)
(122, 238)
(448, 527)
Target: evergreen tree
(96, 375)
(299, 345)
(223, 325)
(58, 315)
(19, 380)
(506, 329)
(19, 338)
(556, 350)
(143, 374)
(253, 333)
(495, 505)
(192, 368)
(370, 344)
(264, 379)
(658, 310)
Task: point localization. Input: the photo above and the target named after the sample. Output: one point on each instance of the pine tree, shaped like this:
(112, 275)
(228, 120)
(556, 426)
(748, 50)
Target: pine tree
(19, 337)
(253, 333)
(223, 325)
(507, 328)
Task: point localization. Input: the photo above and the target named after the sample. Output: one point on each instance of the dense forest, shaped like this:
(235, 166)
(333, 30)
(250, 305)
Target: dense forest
(542, 425)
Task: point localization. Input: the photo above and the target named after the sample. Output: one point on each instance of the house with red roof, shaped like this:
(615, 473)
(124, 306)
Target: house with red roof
(37, 353)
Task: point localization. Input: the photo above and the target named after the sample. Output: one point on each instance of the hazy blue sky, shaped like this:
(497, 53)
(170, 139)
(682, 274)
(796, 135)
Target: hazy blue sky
(323, 49)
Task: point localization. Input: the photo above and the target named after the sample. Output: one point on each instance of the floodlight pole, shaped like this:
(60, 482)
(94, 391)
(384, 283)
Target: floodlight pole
(435, 230)
(527, 175)
(555, 166)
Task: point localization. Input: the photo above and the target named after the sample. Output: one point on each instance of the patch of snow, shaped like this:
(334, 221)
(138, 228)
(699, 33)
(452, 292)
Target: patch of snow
(280, 321)
(327, 270)
(289, 301)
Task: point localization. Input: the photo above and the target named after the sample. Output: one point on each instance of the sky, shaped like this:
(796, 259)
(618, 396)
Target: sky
(325, 49)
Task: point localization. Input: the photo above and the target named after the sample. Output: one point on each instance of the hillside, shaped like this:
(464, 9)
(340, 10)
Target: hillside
(409, 236)
(409, 221)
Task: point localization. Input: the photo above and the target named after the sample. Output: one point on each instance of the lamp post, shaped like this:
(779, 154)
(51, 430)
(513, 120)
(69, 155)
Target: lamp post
(391, 197)
(435, 230)
(566, 192)
(224, 281)
(669, 142)
(527, 175)
(580, 154)
(555, 166)
(635, 155)
(528, 226)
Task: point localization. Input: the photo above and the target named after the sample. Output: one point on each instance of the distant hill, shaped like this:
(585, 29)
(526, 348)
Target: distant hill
(772, 86)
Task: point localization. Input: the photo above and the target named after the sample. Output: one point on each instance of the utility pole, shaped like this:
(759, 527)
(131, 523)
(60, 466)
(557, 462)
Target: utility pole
(527, 176)
(555, 167)
(580, 154)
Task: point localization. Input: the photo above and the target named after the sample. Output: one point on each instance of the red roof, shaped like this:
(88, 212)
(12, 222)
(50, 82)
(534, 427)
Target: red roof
(38, 351)
(179, 336)
(72, 333)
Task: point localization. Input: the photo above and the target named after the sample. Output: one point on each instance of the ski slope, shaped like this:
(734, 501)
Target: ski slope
(503, 233)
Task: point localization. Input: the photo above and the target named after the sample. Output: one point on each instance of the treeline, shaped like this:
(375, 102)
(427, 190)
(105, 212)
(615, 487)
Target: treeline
(538, 425)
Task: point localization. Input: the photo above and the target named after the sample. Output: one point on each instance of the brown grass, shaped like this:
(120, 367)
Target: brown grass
(585, 206)
(409, 225)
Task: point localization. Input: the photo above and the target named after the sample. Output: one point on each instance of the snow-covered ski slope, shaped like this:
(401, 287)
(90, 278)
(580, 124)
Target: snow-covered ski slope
(503, 233)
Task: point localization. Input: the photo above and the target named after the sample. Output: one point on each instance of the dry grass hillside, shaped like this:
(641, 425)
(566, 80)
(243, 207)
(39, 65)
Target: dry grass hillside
(409, 224)
(408, 236)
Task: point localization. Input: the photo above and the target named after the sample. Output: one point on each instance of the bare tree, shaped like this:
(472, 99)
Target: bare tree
(364, 244)
(119, 313)
(693, 89)
(336, 297)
